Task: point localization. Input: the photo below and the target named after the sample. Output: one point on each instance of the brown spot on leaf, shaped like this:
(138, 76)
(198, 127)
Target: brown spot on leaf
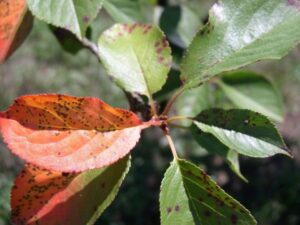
(169, 210)
(86, 19)
(177, 208)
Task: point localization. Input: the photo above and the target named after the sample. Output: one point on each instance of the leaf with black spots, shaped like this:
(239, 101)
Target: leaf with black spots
(246, 132)
(67, 133)
(190, 197)
(40, 196)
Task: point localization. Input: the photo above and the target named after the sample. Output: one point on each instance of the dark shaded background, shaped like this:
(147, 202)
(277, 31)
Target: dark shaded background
(272, 194)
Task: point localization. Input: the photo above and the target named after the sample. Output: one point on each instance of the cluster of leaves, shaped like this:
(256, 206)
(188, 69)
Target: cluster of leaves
(77, 148)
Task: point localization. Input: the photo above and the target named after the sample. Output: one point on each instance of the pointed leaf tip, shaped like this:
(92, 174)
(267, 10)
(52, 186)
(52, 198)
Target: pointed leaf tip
(67, 133)
(246, 132)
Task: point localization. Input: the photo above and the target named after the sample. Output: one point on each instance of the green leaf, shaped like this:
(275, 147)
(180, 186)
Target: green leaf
(213, 145)
(180, 24)
(248, 90)
(136, 56)
(233, 161)
(47, 197)
(190, 197)
(124, 11)
(189, 24)
(240, 32)
(67, 40)
(244, 131)
(73, 15)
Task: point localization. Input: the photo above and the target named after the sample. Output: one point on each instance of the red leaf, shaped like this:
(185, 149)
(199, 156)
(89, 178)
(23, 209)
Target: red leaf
(15, 25)
(66, 133)
(46, 197)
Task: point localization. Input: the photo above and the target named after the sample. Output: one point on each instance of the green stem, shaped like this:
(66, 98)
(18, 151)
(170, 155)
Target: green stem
(171, 144)
(172, 100)
(153, 107)
(178, 126)
(92, 47)
(174, 118)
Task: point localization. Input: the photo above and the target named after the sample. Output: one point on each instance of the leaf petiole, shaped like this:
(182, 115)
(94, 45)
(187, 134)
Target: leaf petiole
(171, 143)
(174, 118)
(179, 126)
(172, 100)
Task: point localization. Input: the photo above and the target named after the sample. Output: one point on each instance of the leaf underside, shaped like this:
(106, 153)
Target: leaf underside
(243, 131)
(212, 145)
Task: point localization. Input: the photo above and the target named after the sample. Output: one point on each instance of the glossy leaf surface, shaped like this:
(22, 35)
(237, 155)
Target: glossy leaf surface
(136, 56)
(240, 32)
(244, 131)
(73, 15)
(250, 91)
(66, 133)
(190, 197)
(15, 24)
(46, 197)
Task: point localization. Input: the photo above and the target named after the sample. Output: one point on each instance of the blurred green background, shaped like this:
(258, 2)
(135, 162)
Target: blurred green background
(41, 66)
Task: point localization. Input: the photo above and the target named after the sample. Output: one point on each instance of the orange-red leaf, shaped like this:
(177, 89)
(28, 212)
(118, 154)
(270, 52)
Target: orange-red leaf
(15, 24)
(64, 112)
(46, 197)
(66, 133)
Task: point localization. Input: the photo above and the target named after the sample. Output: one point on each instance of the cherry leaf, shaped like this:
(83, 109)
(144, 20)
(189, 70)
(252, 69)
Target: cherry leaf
(136, 56)
(47, 197)
(73, 15)
(15, 25)
(190, 197)
(65, 133)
